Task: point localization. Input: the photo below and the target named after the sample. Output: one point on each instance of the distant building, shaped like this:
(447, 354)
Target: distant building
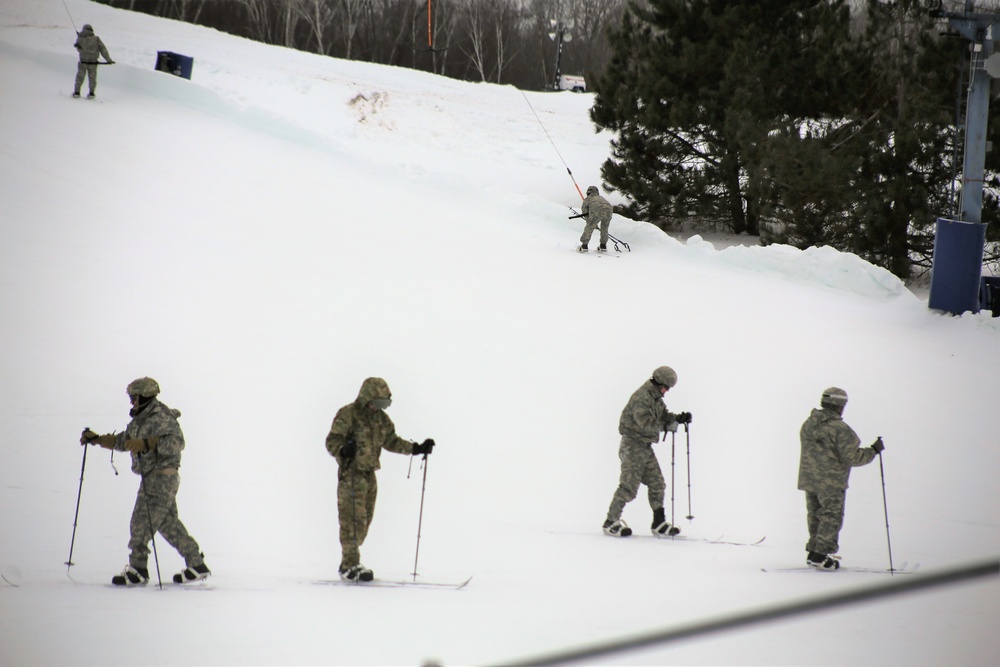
(577, 84)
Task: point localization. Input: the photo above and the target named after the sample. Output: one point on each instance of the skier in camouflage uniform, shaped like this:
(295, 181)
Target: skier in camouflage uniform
(829, 451)
(645, 416)
(597, 210)
(359, 433)
(90, 46)
(155, 441)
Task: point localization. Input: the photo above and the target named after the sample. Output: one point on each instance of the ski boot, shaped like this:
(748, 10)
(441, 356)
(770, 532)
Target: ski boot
(602, 248)
(661, 527)
(131, 576)
(823, 561)
(357, 573)
(189, 574)
(582, 248)
(616, 528)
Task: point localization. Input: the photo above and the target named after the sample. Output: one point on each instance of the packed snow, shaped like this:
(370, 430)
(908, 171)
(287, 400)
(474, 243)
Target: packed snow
(263, 237)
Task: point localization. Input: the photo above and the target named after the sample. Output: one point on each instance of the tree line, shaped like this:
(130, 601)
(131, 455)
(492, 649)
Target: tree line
(497, 41)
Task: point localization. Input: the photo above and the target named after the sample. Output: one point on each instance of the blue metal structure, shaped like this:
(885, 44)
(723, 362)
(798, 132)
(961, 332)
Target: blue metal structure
(959, 244)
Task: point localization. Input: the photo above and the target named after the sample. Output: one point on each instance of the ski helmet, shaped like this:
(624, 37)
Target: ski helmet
(834, 397)
(664, 376)
(145, 387)
(592, 190)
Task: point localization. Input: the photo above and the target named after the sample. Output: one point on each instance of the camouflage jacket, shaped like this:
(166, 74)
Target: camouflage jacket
(156, 419)
(829, 451)
(371, 429)
(644, 415)
(598, 206)
(90, 46)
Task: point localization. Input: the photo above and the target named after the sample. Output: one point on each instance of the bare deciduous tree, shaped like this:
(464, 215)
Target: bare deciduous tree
(318, 15)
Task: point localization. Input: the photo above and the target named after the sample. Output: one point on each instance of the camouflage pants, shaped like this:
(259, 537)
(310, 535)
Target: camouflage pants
(85, 70)
(356, 493)
(639, 466)
(593, 220)
(825, 516)
(155, 511)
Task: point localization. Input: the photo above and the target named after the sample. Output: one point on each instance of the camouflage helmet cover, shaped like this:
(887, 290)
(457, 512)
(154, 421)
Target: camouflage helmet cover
(834, 396)
(592, 190)
(665, 376)
(145, 387)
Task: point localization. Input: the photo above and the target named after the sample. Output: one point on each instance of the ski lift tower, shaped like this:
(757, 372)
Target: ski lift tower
(956, 270)
(560, 34)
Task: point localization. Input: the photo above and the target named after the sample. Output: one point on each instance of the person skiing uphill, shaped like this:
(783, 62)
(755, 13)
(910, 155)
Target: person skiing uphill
(645, 416)
(829, 451)
(359, 433)
(155, 441)
(90, 46)
(597, 210)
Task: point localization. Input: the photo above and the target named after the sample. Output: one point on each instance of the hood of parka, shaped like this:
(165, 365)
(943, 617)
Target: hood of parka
(371, 389)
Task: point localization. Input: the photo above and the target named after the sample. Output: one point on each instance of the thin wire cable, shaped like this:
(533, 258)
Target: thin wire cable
(70, 18)
(542, 125)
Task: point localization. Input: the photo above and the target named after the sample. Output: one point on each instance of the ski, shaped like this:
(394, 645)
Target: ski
(396, 583)
(608, 253)
(201, 585)
(82, 97)
(903, 569)
(718, 540)
(738, 544)
(676, 538)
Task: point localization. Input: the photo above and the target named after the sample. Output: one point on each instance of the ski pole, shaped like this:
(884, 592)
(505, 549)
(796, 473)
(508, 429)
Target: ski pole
(885, 507)
(354, 521)
(420, 520)
(152, 533)
(673, 439)
(76, 516)
(687, 434)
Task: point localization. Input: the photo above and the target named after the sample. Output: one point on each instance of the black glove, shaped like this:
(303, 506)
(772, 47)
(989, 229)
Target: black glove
(878, 446)
(426, 447)
(349, 449)
(683, 418)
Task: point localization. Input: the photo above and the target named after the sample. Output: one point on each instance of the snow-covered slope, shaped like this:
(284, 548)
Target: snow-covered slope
(262, 238)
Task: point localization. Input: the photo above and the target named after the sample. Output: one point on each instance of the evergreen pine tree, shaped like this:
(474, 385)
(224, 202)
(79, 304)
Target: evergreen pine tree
(908, 167)
(693, 86)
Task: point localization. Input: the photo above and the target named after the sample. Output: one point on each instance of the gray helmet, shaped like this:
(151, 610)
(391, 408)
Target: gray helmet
(664, 376)
(145, 387)
(592, 190)
(834, 397)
